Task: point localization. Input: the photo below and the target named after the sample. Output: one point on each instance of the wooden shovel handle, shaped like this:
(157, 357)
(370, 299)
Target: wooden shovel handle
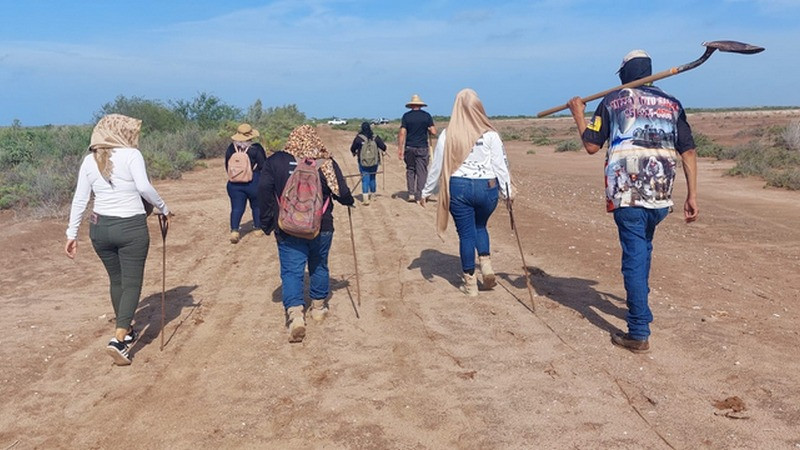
(632, 84)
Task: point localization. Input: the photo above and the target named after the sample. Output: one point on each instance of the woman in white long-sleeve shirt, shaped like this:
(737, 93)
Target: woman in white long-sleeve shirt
(114, 171)
(470, 163)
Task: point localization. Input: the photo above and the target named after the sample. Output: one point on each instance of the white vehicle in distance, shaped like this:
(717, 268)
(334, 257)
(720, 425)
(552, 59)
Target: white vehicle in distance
(380, 121)
(337, 121)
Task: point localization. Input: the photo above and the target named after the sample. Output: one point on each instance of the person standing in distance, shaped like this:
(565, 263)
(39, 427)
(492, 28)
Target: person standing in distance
(639, 205)
(412, 145)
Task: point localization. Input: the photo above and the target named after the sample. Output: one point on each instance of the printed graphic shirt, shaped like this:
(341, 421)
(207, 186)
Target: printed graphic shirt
(646, 130)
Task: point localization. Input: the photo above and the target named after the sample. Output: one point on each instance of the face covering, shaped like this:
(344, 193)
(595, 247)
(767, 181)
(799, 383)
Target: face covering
(635, 69)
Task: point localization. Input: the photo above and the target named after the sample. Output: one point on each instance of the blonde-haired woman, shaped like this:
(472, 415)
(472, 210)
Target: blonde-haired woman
(114, 171)
(469, 169)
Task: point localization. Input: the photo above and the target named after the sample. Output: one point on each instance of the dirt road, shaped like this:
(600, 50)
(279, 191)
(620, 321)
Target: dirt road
(420, 365)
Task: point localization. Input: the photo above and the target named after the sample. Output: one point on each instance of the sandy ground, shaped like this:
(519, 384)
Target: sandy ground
(419, 365)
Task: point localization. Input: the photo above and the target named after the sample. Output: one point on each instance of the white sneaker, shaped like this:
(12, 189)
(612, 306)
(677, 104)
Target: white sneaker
(119, 352)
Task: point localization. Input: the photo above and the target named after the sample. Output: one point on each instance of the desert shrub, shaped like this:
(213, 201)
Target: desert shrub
(706, 147)
(511, 135)
(768, 162)
(541, 135)
(206, 110)
(388, 135)
(274, 123)
(154, 115)
(789, 138)
(569, 145)
(787, 178)
(39, 165)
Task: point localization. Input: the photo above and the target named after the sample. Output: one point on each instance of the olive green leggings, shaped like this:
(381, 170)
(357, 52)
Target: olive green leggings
(122, 245)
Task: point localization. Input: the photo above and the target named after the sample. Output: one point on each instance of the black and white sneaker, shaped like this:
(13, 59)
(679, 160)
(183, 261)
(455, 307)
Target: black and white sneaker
(119, 352)
(130, 338)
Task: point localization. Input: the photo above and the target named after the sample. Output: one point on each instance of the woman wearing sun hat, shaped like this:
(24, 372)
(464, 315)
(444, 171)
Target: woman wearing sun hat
(242, 192)
(114, 171)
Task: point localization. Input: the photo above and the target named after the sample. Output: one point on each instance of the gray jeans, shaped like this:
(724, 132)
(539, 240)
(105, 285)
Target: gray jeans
(416, 159)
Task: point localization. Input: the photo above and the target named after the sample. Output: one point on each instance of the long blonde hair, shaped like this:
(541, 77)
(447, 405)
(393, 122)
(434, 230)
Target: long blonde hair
(468, 122)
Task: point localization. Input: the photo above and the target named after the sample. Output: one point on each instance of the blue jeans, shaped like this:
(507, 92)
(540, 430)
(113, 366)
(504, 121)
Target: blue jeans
(472, 202)
(636, 227)
(240, 194)
(294, 253)
(368, 182)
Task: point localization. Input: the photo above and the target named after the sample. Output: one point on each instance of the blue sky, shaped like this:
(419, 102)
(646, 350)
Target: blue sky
(61, 61)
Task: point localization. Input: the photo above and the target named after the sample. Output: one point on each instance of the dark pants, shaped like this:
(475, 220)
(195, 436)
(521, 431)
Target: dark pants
(240, 194)
(122, 245)
(472, 202)
(636, 228)
(416, 159)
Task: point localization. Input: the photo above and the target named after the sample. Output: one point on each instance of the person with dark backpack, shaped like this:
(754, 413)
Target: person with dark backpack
(295, 193)
(243, 161)
(365, 148)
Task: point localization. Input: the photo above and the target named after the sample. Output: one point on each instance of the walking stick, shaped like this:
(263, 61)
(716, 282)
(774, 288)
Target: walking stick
(519, 244)
(355, 258)
(164, 225)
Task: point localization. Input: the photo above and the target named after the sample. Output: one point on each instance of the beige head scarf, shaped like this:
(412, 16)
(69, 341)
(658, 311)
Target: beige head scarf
(303, 142)
(113, 131)
(468, 122)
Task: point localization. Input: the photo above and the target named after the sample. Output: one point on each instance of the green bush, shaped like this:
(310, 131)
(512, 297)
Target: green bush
(706, 147)
(788, 178)
(570, 145)
(778, 166)
(154, 115)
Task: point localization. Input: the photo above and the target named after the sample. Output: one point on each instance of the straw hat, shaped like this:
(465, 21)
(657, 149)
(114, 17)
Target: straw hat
(245, 133)
(415, 101)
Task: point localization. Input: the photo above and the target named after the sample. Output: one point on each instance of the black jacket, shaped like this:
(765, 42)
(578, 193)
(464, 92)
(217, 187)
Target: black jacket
(274, 175)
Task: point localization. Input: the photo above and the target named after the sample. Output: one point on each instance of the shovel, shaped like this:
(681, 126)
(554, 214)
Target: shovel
(723, 46)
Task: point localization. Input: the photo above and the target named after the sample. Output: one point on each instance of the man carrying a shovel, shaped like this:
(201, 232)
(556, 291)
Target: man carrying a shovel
(644, 127)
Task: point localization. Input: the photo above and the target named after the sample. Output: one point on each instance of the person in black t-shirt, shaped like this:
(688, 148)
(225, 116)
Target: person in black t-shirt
(412, 145)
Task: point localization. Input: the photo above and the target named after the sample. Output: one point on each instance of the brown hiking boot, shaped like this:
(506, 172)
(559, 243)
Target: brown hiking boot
(487, 273)
(234, 237)
(297, 324)
(624, 340)
(318, 310)
(470, 285)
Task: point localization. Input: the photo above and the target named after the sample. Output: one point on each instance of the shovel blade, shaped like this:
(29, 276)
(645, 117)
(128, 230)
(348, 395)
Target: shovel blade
(734, 47)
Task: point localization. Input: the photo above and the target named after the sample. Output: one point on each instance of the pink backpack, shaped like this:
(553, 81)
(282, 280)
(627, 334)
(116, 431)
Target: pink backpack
(301, 205)
(239, 168)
